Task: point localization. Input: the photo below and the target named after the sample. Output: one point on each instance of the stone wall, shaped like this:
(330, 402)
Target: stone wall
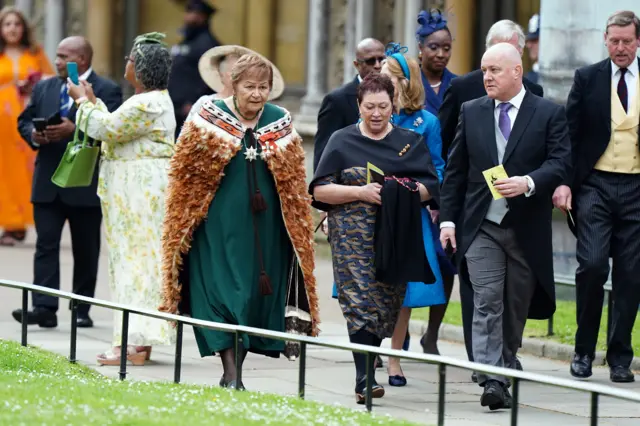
(335, 45)
(383, 16)
(75, 18)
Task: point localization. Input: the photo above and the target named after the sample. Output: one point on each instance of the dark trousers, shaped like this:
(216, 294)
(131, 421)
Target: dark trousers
(608, 225)
(84, 224)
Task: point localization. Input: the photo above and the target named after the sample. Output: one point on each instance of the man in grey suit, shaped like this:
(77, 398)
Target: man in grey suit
(504, 244)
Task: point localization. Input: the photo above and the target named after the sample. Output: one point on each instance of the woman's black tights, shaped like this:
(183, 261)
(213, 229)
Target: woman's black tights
(363, 337)
(228, 357)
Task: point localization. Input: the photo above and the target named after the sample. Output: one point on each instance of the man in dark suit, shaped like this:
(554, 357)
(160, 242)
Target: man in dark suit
(339, 108)
(462, 89)
(53, 206)
(504, 244)
(603, 112)
(470, 86)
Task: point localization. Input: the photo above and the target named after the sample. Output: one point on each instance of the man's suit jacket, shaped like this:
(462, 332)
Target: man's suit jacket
(589, 118)
(45, 102)
(339, 109)
(539, 147)
(462, 89)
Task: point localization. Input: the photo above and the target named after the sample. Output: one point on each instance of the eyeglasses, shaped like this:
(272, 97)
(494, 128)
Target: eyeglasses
(372, 61)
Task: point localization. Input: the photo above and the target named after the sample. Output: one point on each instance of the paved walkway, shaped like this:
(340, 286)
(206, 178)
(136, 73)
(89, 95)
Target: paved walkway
(330, 372)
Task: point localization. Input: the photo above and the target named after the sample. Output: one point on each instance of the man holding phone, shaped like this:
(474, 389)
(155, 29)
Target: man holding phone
(47, 125)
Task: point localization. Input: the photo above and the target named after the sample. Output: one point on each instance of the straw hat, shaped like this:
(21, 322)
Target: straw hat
(209, 68)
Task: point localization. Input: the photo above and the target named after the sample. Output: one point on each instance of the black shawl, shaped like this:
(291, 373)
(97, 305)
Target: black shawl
(399, 247)
(348, 148)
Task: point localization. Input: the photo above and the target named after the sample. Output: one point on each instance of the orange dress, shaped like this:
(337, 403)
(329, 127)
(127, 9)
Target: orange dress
(16, 157)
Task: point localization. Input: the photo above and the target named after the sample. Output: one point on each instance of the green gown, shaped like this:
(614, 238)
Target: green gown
(223, 260)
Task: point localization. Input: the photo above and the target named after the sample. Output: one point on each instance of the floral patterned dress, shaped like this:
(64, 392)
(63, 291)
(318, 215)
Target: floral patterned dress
(138, 142)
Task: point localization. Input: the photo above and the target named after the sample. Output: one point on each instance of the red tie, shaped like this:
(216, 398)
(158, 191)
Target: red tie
(622, 89)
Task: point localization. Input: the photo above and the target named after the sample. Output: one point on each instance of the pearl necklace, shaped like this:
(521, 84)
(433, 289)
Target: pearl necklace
(377, 137)
(436, 85)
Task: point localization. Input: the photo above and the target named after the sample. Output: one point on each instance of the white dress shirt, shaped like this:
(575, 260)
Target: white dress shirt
(516, 103)
(630, 78)
(83, 77)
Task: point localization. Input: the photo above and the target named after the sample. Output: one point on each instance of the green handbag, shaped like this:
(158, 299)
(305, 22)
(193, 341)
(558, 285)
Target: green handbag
(78, 162)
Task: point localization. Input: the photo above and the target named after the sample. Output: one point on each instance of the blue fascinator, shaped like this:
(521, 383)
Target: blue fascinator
(396, 51)
(430, 22)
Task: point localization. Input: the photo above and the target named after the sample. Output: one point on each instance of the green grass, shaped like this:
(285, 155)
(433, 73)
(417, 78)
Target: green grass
(37, 387)
(564, 324)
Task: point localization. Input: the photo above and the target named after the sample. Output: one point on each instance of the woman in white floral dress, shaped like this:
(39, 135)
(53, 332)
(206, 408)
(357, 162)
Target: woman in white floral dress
(138, 142)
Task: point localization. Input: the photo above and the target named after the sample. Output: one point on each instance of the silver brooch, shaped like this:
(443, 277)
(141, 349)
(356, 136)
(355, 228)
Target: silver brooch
(250, 153)
(418, 122)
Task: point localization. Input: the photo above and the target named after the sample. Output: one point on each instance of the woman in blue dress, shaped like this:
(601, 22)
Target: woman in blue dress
(409, 99)
(435, 43)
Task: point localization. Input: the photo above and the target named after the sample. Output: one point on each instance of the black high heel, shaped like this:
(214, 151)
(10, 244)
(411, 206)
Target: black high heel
(231, 384)
(397, 381)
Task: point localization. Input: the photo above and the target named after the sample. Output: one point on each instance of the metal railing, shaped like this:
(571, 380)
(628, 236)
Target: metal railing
(569, 281)
(442, 362)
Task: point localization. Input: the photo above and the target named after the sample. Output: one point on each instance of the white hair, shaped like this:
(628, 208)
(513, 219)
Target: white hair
(503, 32)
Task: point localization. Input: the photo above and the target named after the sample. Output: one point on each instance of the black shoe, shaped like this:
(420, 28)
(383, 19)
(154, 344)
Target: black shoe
(620, 374)
(517, 364)
(397, 381)
(85, 321)
(232, 384)
(493, 395)
(40, 316)
(407, 342)
(377, 391)
(508, 401)
(474, 377)
(581, 366)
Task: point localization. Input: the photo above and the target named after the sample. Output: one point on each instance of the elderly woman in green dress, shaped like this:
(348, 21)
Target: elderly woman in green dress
(238, 233)
(138, 141)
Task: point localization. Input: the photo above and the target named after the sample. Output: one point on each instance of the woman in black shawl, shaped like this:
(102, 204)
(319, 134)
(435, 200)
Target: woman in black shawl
(340, 187)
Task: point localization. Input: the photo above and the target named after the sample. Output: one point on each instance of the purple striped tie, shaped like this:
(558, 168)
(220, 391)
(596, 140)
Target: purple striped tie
(504, 122)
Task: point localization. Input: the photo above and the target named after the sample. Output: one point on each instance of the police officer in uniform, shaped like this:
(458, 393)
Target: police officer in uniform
(533, 43)
(185, 84)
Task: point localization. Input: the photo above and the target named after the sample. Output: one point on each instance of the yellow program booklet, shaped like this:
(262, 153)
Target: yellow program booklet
(491, 176)
(374, 174)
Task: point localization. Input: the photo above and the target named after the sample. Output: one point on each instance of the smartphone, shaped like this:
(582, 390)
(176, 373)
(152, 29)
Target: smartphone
(40, 124)
(72, 72)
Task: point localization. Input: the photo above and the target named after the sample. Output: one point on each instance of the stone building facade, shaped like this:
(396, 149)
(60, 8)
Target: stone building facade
(311, 41)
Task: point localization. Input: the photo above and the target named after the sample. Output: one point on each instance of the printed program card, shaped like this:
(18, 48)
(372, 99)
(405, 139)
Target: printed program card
(491, 176)
(374, 174)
